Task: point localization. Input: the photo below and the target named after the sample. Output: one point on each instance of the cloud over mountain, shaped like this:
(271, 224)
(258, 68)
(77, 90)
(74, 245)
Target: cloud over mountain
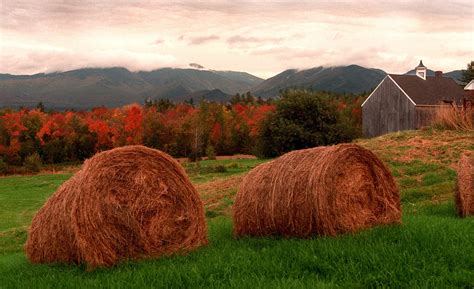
(261, 37)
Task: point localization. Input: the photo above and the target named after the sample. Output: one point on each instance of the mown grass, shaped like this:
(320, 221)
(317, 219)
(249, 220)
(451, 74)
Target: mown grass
(433, 248)
(21, 196)
(207, 170)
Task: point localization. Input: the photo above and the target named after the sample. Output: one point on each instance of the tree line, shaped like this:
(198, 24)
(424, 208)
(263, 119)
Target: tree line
(246, 125)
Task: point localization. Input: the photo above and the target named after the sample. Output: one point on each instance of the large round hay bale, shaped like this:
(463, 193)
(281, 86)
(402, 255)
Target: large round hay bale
(464, 192)
(317, 191)
(126, 203)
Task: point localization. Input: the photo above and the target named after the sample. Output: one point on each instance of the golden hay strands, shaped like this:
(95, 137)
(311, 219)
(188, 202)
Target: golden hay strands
(126, 203)
(317, 191)
(464, 192)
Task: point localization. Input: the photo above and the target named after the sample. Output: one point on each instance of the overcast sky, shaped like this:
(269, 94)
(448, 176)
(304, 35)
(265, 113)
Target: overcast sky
(260, 37)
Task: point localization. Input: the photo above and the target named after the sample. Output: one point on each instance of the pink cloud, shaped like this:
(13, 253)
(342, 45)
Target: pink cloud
(198, 40)
(240, 35)
(237, 39)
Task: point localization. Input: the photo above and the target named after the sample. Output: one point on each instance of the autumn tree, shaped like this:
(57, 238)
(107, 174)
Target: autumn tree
(52, 137)
(299, 119)
(80, 143)
(133, 125)
(32, 121)
(153, 129)
(12, 129)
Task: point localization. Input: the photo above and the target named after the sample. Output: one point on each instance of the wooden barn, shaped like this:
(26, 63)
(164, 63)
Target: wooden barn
(406, 102)
(469, 91)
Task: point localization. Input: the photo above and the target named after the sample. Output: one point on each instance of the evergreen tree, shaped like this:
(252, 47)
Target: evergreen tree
(235, 99)
(468, 74)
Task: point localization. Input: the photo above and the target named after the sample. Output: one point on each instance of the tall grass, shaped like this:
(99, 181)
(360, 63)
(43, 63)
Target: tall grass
(454, 117)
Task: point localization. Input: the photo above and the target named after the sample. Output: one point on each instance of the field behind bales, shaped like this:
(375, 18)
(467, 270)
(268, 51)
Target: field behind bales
(432, 249)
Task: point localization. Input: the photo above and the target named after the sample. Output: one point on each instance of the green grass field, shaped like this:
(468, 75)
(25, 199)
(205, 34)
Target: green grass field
(433, 248)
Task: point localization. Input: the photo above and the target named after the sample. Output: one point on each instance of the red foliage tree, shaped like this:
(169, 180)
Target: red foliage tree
(178, 129)
(133, 124)
(13, 128)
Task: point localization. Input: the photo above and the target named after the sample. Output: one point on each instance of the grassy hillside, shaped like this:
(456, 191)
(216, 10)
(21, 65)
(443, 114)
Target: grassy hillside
(423, 162)
(431, 249)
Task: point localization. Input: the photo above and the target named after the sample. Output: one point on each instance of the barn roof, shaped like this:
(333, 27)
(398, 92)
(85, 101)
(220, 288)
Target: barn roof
(432, 91)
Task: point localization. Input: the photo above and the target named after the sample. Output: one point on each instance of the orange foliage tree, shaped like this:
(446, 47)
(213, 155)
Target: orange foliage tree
(181, 130)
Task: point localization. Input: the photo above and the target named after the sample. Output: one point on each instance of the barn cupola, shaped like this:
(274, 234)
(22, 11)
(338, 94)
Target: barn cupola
(420, 70)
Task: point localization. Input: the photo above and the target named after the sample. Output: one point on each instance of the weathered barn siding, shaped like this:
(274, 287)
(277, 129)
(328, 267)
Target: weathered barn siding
(424, 116)
(387, 110)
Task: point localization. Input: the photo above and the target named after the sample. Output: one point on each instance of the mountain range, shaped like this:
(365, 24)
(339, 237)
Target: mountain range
(117, 86)
(342, 79)
(90, 87)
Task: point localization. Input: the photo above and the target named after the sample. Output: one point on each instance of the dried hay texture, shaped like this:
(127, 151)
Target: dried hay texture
(317, 191)
(127, 203)
(464, 192)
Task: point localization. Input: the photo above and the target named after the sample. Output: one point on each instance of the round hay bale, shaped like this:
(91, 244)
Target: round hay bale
(317, 191)
(127, 203)
(464, 192)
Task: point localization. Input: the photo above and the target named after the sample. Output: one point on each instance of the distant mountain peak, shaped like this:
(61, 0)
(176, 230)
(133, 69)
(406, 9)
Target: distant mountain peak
(339, 79)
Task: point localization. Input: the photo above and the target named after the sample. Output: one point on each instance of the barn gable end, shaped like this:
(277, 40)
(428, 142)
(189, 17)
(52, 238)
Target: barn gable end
(406, 101)
(387, 109)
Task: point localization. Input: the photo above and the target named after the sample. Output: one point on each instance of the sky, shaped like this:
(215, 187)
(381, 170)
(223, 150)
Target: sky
(259, 37)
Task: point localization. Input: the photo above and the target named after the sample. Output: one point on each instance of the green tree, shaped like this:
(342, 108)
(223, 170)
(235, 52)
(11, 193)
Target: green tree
(210, 153)
(54, 151)
(468, 74)
(80, 143)
(33, 163)
(3, 167)
(249, 99)
(303, 119)
(29, 142)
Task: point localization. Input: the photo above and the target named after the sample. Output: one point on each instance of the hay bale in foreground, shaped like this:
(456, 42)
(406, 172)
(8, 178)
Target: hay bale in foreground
(126, 203)
(464, 192)
(317, 191)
